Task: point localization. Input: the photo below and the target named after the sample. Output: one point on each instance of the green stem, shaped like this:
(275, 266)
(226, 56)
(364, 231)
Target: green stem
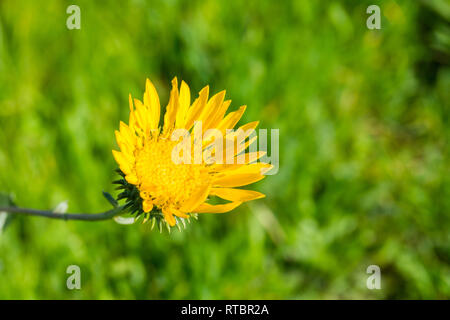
(65, 216)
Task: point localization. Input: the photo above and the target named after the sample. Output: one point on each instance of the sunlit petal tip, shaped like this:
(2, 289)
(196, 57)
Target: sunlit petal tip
(130, 101)
(204, 91)
(236, 194)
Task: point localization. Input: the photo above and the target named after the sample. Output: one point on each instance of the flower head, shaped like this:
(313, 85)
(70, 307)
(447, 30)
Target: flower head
(157, 183)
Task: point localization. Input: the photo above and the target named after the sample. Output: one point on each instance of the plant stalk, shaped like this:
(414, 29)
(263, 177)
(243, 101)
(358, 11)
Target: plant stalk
(65, 216)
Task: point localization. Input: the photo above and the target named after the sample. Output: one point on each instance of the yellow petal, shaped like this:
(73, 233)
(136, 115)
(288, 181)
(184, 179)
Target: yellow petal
(236, 147)
(132, 120)
(172, 107)
(195, 200)
(238, 180)
(249, 158)
(220, 208)
(147, 205)
(123, 145)
(141, 116)
(234, 140)
(212, 107)
(151, 100)
(213, 124)
(130, 102)
(243, 131)
(178, 213)
(131, 178)
(128, 134)
(197, 107)
(122, 161)
(185, 101)
(256, 168)
(242, 176)
(236, 194)
(231, 119)
(220, 114)
(168, 216)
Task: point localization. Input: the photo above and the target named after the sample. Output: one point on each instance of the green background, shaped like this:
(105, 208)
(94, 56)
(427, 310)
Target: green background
(364, 164)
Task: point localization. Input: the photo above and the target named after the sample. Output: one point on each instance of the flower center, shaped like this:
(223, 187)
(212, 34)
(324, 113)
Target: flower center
(166, 182)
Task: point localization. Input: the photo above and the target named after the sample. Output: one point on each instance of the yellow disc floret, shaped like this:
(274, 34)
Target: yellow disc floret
(165, 183)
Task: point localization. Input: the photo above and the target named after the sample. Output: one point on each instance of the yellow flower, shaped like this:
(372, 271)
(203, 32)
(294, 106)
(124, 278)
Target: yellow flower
(178, 189)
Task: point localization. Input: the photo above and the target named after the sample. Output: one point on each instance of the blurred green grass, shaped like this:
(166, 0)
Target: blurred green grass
(364, 169)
